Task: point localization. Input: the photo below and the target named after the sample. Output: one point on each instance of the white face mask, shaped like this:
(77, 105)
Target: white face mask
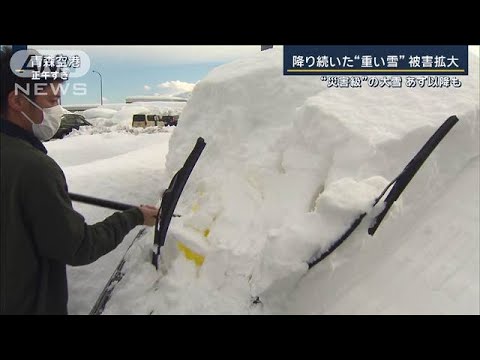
(52, 118)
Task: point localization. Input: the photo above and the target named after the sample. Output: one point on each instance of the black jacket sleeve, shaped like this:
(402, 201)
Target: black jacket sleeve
(60, 232)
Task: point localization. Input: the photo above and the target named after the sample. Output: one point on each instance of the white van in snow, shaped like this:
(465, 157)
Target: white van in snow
(145, 120)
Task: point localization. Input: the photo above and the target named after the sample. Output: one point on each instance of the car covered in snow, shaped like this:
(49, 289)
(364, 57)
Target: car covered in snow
(69, 122)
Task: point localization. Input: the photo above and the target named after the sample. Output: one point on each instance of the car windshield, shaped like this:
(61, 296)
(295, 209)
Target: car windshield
(138, 117)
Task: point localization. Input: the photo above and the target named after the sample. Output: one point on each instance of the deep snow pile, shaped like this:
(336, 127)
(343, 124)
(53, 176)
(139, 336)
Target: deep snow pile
(288, 165)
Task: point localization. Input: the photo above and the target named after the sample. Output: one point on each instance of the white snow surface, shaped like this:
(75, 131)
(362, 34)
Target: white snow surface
(289, 164)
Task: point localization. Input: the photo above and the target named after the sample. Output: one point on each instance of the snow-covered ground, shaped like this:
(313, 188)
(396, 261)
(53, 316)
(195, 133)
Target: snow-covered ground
(287, 167)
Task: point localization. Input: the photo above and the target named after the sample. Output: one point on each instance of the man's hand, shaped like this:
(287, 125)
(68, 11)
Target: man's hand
(149, 214)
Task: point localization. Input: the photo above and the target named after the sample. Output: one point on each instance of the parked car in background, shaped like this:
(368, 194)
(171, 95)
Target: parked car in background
(144, 120)
(70, 122)
(170, 120)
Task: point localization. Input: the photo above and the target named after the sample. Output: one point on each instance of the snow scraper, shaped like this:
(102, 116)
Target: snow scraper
(166, 210)
(100, 202)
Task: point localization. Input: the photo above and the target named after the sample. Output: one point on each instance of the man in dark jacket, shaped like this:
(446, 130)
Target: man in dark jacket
(40, 231)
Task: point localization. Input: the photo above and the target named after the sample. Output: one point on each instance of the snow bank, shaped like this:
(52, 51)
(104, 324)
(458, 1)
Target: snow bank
(99, 112)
